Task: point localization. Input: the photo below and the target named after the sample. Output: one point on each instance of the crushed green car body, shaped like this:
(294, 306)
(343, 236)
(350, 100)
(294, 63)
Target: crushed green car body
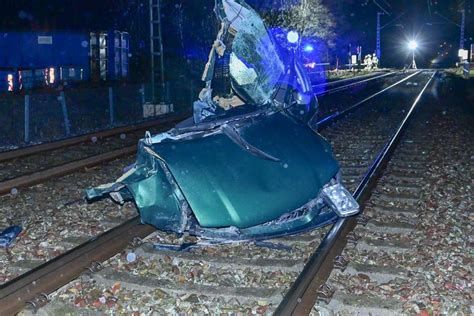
(224, 185)
(248, 164)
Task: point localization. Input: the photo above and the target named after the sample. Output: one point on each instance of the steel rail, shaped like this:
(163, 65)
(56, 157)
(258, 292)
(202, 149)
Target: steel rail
(65, 169)
(36, 149)
(324, 122)
(331, 83)
(70, 167)
(50, 276)
(303, 294)
(333, 90)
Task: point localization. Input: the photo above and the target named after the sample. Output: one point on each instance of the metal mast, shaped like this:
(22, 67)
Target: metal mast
(413, 62)
(156, 50)
(463, 23)
(378, 46)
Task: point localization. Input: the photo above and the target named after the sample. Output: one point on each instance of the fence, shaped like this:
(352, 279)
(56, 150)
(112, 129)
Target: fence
(46, 116)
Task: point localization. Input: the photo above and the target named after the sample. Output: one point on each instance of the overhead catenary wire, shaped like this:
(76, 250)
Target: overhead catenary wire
(381, 8)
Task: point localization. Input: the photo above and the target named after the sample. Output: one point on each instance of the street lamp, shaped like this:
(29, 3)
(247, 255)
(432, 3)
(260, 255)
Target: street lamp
(413, 45)
(293, 37)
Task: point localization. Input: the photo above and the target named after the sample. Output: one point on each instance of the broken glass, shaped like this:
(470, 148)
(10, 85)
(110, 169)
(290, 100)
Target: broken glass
(255, 63)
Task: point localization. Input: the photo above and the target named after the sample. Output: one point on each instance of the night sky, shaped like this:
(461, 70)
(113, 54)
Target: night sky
(356, 24)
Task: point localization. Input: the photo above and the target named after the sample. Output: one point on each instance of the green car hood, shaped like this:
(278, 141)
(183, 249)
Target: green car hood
(228, 186)
(224, 184)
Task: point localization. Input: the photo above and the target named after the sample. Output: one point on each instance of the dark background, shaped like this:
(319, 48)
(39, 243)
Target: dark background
(190, 27)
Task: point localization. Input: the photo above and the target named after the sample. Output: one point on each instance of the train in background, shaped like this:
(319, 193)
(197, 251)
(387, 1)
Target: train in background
(31, 60)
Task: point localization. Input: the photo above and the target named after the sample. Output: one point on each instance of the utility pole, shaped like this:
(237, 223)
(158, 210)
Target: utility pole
(156, 50)
(378, 51)
(463, 24)
(413, 62)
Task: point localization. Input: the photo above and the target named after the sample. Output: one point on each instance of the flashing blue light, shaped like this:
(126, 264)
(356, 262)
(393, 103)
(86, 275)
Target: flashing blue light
(308, 48)
(292, 37)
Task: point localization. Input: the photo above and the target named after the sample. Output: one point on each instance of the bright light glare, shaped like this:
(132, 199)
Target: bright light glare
(292, 37)
(10, 82)
(308, 48)
(412, 45)
(52, 76)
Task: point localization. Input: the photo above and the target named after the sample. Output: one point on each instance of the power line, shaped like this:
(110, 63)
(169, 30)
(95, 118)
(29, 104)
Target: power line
(392, 21)
(381, 8)
(387, 3)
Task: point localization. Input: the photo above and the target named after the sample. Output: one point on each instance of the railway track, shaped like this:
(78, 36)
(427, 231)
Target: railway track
(341, 85)
(46, 210)
(311, 283)
(331, 103)
(30, 165)
(236, 262)
(341, 82)
(48, 146)
(404, 257)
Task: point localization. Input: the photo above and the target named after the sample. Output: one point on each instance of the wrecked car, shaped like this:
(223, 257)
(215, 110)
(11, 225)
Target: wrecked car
(249, 164)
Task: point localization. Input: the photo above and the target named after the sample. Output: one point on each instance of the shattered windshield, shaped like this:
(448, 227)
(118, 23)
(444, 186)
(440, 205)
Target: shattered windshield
(255, 64)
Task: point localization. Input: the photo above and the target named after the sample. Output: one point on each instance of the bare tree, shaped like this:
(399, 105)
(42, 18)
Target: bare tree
(310, 18)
